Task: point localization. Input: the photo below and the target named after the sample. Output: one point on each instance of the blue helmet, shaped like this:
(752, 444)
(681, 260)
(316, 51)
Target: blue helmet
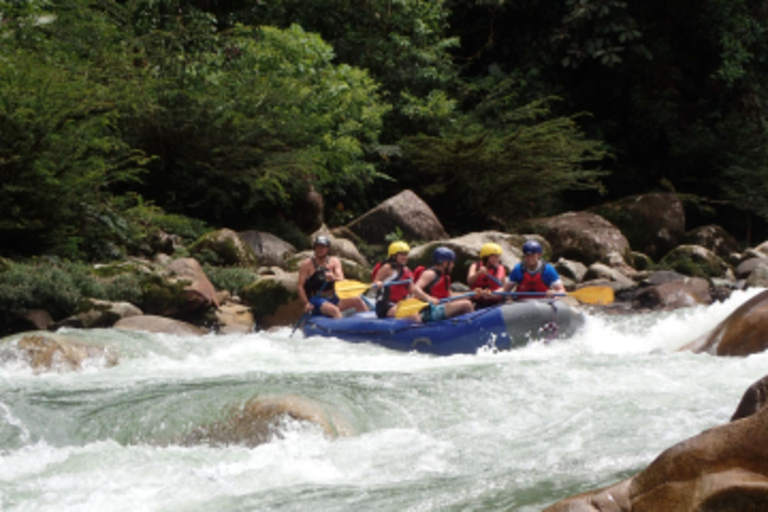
(531, 247)
(442, 254)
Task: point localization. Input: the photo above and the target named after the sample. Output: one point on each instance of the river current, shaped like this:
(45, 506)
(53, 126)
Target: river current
(516, 430)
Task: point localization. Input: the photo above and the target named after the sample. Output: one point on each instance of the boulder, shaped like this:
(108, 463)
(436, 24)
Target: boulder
(573, 270)
(268, 249)
(696, 261)
(342, 247)
(274, 300)
(235, 319)
(47, 352)
(758, 278)
(762, 249)
(743, 332)
(746, 267)
(683, 293)
(714, 238)
(159, 324)
(262, 419)
(753, 399)
(599, 271)
(724, 468)
(198, 292)
(641, 261)
(652, 223)
(406, 212)
(95, 313)
(227, 246)
(582, 236)
(38, 319)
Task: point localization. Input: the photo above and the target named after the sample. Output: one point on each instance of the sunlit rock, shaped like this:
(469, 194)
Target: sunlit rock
(262, 419)
(268, 248)
(581, 236)
(55, 352)
(743, 332)
(227, 246)
(406, 212)
(722, 469)
(235, 319)
(680, 293)
(95, 313)
(159, 324)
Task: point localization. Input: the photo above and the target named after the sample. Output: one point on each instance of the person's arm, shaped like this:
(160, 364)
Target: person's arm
(417, 288)
(475, 270)
(552, 279)
(514, 278)
(382, 275)
(336, 270)
(303, 273)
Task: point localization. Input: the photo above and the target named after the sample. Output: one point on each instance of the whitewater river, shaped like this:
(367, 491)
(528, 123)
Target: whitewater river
(518, 430)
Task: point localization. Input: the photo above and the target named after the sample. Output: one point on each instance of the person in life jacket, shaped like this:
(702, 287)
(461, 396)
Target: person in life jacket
(315, 285)
(436, 282)
(392, 270)
(534, 274)
(487, 276)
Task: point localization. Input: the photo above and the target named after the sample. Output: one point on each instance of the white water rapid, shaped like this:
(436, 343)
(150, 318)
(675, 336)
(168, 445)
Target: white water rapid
(517, 430)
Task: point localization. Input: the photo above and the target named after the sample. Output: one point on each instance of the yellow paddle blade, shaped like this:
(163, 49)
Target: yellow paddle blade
(594, 295)
(349, 289)
(409, 307)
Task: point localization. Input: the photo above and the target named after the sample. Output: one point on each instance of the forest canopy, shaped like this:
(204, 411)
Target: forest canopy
(118, 117)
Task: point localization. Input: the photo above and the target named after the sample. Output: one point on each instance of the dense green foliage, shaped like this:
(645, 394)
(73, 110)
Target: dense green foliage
(119, 120)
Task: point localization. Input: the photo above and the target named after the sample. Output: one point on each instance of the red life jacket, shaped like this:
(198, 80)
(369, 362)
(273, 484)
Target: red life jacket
(440, 287)
(396, 292)
(532, 281)
(483, 281)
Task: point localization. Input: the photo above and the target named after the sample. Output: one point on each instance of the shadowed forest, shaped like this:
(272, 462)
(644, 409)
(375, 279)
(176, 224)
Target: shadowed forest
(118, 117)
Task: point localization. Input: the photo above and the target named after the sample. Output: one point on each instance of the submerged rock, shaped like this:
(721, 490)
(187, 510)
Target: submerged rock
(262, 419)
(159, 324)
(55, 352)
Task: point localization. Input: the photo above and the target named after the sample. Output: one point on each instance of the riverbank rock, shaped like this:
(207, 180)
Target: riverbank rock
(680, 293)
(722, 469)
(235, 319)
(696, 261)
(270, 250)
(743, 332)
(341, 247)
(407, 212)
(274, 300)
(226, 246)
(581, 236)
(753, 399)
(159, 324)
(96, 313)
(714, 238)
(262, 419)
(198, 292)
(55, 352)
(652, 223)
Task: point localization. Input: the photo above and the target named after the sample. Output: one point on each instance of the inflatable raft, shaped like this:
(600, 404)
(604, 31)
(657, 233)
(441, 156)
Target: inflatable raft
(501, 328)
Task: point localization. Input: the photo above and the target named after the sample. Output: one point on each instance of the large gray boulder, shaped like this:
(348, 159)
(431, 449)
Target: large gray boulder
(270, 250)
(582, 236)
(228, 247)
(652, 223)
(406, 212)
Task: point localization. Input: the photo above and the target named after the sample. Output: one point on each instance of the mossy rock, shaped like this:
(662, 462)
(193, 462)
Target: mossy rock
(164, 298)
(696, 261)
(223, 247)
(266, 295)
(642, 261)
(116, 269)
(5, 265)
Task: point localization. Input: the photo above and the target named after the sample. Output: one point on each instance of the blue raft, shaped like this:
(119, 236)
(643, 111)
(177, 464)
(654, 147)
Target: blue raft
(502, 328)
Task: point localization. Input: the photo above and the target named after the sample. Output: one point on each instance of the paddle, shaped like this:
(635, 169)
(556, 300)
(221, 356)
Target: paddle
(412, 306)
(588, 295)
(348, 289)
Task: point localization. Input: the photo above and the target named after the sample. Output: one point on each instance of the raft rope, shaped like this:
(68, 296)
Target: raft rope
(551, 327)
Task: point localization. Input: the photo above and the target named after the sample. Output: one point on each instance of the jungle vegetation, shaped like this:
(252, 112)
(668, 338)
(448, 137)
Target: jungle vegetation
(121, 117)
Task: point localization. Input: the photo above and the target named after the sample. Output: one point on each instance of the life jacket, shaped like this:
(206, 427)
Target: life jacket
(395, 292)
(317, 282)
(483, 281)
(440, 287)
(532, 281)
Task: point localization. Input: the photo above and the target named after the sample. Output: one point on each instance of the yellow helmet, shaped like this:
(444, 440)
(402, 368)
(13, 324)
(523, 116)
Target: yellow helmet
(489, 249)
(396, 247)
